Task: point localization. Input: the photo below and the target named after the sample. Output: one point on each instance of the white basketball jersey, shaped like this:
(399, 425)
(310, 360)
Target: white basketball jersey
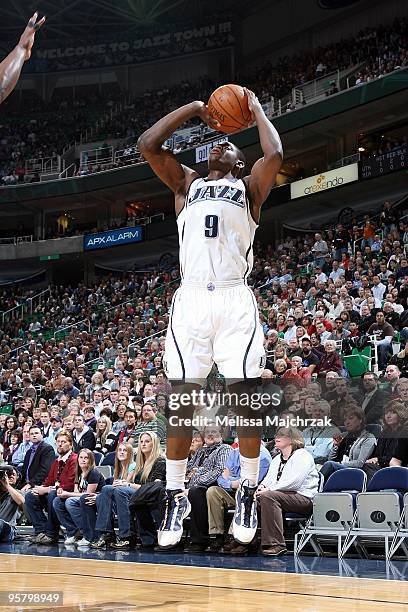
(216, 231)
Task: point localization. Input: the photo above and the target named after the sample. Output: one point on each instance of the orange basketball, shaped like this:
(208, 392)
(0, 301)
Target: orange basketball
(229, 106)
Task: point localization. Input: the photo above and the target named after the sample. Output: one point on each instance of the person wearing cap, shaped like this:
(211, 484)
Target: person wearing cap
(56, 427)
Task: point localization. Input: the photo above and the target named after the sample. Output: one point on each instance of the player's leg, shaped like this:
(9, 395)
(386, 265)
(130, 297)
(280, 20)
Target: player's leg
(188, 357)
(244, 524)
(240, 356)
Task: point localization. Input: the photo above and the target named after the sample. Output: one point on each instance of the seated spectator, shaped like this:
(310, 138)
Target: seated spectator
(395, 422)
(37, 461)
(89, 417)
(105, 437)
(116, 497)
(150, 422)
(11, 451)
(372, 399)
(309, 359)
(401, 360)
(330, 361)
(222, 496)
(82, 435)
(197, 442)
(392, 375)
(118, 421)
(289, 486)
(11, 426)
(384, 334)
(297, 374)
(127, 433)
(203, 470)
(11, 503)
(18, 456)
(319, 439)
(67, 504)
(150, 468)
(41, 497)
(353, 448)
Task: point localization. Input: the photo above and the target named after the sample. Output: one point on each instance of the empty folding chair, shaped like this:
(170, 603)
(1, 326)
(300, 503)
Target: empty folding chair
(401, 535)
(378, 510)
(333, 510)
(105, 470)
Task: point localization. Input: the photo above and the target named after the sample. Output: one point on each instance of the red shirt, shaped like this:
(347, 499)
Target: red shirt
(65, 474)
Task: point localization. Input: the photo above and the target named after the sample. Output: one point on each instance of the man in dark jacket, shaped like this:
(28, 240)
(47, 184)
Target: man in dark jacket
(372, 399)
(60, 476)
(82, 435)
(37, 461)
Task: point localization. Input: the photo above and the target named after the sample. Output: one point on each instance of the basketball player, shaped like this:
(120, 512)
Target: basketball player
(214, 315)
(10, 67)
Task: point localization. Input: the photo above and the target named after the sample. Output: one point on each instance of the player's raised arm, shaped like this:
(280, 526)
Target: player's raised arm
(264, 171)
(10, 67)
(162, 161)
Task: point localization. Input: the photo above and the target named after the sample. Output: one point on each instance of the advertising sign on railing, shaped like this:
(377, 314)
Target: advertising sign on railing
(324, 181)
(117, 237)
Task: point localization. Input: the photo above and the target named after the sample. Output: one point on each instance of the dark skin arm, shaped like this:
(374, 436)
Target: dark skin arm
(10, 67)
(162, 161)
(264, 171)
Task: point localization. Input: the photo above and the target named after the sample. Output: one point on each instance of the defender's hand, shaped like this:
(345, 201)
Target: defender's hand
(27, 38)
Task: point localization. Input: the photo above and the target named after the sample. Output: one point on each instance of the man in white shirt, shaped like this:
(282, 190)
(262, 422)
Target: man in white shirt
(291, 329)
(336, 307)
(378, 288)
(320, 250)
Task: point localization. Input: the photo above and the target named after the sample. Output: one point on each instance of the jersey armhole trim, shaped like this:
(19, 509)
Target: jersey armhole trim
(186, 196)
(248, 201)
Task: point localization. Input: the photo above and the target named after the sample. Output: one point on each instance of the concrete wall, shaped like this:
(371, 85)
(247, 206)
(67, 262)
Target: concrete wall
(57, 246)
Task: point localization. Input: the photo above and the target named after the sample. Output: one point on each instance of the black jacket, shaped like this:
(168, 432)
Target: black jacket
(40, 466)
(87, 441)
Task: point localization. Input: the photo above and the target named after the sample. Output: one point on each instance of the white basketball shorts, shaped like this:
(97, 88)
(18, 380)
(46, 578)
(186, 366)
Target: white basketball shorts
(215, 323)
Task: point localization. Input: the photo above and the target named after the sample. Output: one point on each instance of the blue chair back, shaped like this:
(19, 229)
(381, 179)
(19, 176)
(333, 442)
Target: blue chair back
(389, 478)
(98, 457)
(348, 479)
(109, 459)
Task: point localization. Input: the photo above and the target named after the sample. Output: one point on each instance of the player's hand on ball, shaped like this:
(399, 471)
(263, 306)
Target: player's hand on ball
(253, 103)
(202, 112)
(27, 38)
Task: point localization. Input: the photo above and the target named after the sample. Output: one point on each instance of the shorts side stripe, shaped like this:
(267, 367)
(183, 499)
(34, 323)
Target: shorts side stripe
(252, 336)
(174, 338)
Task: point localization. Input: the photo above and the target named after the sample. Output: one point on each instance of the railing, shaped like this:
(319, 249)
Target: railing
(316, 88)
(37, 299)
(69, 171)
(64, 329)
(16, 240)
(345, 161)
(99, 155)
(43, 165)
(162, 332)
(12, 313)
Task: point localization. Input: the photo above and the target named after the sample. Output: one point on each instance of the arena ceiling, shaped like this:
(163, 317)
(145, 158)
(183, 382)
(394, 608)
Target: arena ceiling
(68, 19)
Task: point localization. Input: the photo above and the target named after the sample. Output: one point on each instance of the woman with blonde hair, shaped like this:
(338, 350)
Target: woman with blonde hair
(116, 497)
(95, 384)
(151, 478)
(105, 437)
(289, 486)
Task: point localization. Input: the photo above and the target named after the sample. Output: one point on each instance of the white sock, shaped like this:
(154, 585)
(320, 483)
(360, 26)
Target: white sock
(176, 473)
(249, 469)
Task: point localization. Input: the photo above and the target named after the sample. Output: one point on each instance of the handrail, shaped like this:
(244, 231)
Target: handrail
(136, 343)
(58, 331)
(65, 172)
(16, 239)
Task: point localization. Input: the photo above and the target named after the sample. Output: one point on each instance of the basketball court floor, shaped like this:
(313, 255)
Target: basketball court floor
(130, 580)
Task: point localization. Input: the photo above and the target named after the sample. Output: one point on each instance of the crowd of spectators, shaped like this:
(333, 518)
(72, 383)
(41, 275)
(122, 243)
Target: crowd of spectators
(47, 130)
(98, 389)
